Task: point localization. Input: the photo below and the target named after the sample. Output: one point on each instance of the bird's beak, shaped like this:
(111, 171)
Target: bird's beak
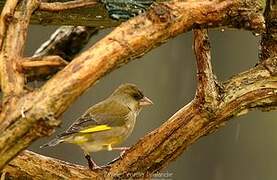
(145, 101)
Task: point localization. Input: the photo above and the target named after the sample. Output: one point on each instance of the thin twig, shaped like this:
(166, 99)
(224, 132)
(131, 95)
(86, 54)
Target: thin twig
(61, 6)
(42, 62)
(42, 67)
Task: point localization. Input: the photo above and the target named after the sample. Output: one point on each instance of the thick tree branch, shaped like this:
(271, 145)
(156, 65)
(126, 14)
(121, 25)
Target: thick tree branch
(14, 28)
(132, 39)
(12, 80)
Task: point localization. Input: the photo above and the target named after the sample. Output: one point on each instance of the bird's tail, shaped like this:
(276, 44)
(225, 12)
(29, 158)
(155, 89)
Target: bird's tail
(53, 142)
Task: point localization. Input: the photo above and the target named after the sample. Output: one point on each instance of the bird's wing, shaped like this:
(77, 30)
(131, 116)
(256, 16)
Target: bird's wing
(100, 117)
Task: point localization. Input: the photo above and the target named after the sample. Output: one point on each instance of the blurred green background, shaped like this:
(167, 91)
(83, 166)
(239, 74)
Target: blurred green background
(245, 149)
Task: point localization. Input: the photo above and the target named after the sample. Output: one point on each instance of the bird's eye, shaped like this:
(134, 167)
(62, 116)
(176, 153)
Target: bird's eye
(138, 96)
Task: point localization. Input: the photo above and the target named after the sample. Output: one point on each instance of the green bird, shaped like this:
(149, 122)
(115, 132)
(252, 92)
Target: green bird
(106, 124)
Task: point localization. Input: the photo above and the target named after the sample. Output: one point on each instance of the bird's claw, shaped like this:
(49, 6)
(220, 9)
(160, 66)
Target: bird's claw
(91, 164)
(123, 152)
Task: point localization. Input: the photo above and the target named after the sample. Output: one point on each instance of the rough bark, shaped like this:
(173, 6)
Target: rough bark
(269, 38)
(29, 165)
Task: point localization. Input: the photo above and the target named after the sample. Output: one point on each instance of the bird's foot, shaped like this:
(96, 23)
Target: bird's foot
(91, 164)
(122, 149)
(122, 153)
(113, 161)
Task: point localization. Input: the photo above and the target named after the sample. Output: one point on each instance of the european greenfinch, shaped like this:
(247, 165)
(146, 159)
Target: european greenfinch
(106, 124)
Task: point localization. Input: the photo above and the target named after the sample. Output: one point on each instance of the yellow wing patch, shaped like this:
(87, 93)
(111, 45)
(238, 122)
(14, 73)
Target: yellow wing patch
(96, 129)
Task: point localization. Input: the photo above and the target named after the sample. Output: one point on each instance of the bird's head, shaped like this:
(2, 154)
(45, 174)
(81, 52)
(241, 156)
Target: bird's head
(132, 96)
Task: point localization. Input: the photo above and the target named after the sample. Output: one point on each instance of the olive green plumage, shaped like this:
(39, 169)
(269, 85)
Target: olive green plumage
(106, 124)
